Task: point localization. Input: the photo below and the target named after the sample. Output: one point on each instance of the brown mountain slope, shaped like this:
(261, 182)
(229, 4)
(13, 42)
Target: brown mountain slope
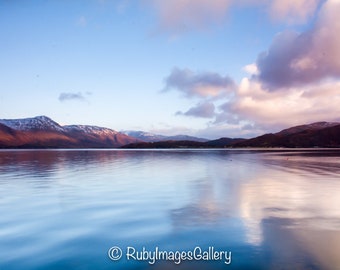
(10, 138)
(310, 127)
(7, 136)
(309, 136)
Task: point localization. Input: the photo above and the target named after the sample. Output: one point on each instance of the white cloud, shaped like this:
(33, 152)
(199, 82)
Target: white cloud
(293, 106)
(251, 69)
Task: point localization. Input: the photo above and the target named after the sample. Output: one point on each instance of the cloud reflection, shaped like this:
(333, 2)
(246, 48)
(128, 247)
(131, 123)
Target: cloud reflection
(287, 202)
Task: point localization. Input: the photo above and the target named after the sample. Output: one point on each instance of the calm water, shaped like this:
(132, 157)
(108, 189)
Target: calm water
(64, 209)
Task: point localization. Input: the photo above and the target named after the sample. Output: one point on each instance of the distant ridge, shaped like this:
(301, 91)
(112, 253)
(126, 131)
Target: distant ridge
(220, 143)
(151, 137)
(43, 132)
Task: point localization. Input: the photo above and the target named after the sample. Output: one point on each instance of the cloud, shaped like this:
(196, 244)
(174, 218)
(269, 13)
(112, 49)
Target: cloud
(293, 11)
(178, 16)
(251, 69)
(296, 59)
(203, 110)
(204, 84)
(168, 130)
(296, 81)
(240, 130)
(281, 109)
(226, 116)
(182, 15)
(71, 96)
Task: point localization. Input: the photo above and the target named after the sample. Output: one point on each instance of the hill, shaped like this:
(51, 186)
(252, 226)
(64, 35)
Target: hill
(43, 132)
(320, 134)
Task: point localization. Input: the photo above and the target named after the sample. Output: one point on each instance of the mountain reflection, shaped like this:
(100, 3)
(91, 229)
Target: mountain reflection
(43, 163)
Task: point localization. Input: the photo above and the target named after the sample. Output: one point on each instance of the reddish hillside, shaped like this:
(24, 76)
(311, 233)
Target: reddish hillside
(42, 132)
(321, 134)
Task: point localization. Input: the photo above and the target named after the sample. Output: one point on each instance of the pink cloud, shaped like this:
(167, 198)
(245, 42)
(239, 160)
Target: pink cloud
(293, 106)
(178, 16)
(303, 58)
(293, 11)
(296, 81)
(183, 15)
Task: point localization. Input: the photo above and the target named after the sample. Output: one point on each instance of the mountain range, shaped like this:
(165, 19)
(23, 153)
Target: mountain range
(319, 134)
(43, 132)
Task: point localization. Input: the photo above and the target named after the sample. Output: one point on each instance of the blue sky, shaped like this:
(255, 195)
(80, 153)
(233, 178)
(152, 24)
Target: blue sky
(206, 68)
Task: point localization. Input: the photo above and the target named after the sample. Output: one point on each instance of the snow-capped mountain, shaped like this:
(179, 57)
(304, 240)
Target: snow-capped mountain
(90, 129)
(44, 123)
(144, 136)
(35, 123)
(43, 132)
(151, 137)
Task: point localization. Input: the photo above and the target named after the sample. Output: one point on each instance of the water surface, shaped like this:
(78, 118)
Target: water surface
(64, 209)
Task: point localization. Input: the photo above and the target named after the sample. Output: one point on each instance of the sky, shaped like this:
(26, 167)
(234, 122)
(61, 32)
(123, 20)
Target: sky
(207, 68)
